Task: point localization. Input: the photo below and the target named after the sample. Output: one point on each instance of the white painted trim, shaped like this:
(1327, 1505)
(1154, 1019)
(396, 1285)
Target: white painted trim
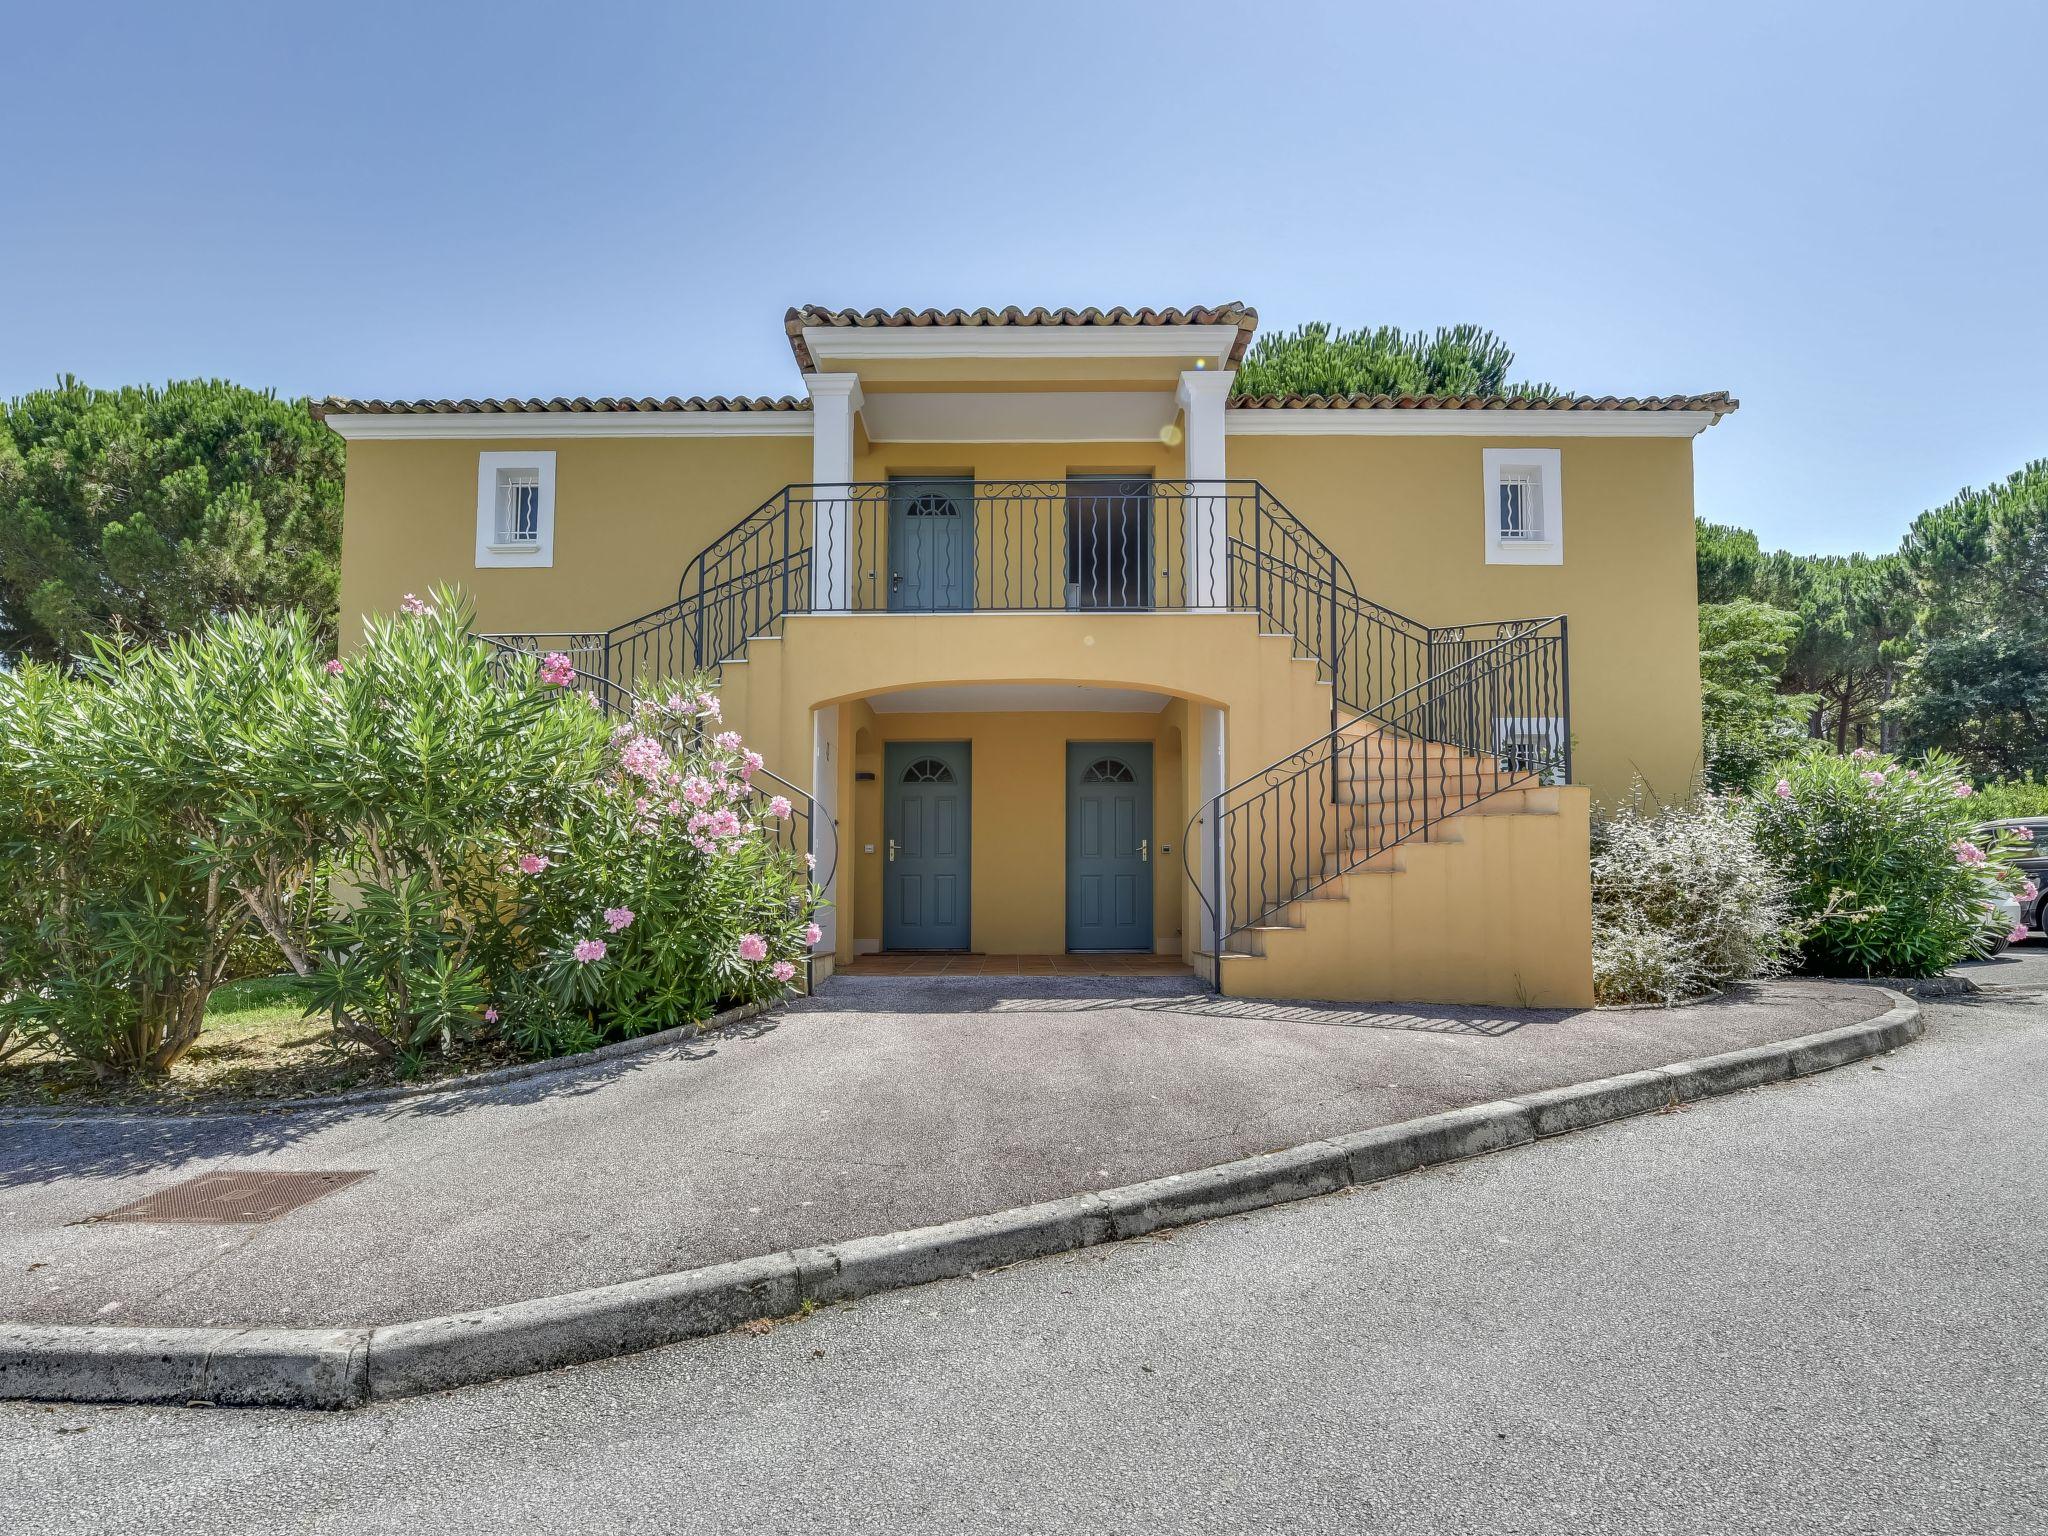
(1377, 422)
(1549, 466)
(1051, 416)
(491, 555)
(552, 424)
(1212, 342)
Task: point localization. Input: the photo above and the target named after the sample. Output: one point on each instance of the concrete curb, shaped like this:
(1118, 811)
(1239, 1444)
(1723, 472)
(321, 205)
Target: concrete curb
(639, 1045)
(346, 1367)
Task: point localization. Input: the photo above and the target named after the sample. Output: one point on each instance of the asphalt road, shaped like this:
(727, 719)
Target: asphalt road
(1818, 1307)
(883, 1104)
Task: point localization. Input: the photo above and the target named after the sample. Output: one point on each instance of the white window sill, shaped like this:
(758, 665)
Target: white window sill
(1525, 552)
(529, 548)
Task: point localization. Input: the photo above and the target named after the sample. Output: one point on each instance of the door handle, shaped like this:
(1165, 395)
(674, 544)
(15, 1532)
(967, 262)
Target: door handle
(1144, 850)
(895, 581)
(892, 850)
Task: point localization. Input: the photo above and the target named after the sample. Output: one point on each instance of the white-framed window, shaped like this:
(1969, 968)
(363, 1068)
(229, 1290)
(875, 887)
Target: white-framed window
(515, 509)
(1524, 506)
(1530, 744)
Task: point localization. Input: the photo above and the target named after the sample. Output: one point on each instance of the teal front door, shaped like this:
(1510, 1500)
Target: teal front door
(1109, 845)
(931, 545)
(925, 860)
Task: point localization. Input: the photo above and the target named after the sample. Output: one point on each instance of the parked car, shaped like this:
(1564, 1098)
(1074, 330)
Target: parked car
(2034, 862)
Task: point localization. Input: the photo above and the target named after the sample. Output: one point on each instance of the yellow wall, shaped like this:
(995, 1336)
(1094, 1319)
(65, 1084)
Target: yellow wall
(1407, 515)
(1018, 827)
(1494, 909)
(630, 514)
(1273, 700)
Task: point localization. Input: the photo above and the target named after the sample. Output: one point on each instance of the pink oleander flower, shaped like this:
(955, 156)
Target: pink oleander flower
(1963, 791)
(750, 765)
(619, 919)
(813, 933)
(556, 670)
(810, 861)
(726, 823)
(1874, 779)
(588, 950)
(727, 741)
(753, 947)
(490, 1015)
(2024, 834)
(697, 790)
(2018, 934)
(708, 706)
(780, 808)
(1861, 755)
(1967, 852)
(2029, 891)
(644, 758)
(532, 863)
(676, 704)
(412, 606)
(1784, 789)
(782, 970)
(333, 668)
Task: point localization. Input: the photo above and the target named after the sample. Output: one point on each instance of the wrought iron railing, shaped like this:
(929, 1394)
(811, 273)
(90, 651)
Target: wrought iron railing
(806, 831)
(1089, 544)
(1495, 716)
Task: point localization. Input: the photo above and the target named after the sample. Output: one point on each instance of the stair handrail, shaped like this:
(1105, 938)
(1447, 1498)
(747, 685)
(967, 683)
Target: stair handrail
(1426, 712)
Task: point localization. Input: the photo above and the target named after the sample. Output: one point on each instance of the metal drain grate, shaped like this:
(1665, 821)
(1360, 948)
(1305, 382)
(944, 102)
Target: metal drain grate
(232, 1199)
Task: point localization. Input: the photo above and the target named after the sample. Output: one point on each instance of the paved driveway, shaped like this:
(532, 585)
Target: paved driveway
(880, 1104)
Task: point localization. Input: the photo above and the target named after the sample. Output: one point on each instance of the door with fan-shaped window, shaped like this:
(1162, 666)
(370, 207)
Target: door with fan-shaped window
(1109, 845)
(925, 860)
(931, 545)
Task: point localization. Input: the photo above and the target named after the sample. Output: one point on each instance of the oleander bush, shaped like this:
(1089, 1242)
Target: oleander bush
(1885, 869)
(145, 834)
(1685, 902)
(449, 847)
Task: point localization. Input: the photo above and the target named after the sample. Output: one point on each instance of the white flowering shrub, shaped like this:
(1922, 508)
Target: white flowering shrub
(1684, 902)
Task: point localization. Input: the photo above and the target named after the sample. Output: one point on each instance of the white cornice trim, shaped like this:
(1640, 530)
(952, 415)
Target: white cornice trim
(540, 424)
(841, 341)
(1396, 423)
(835, 387)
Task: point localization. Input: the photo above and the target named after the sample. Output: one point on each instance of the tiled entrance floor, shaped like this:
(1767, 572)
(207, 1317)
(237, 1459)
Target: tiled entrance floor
(1015, 965)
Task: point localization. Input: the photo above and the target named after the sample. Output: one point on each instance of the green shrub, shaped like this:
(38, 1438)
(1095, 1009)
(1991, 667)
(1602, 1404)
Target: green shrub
(144, 834)
(1882, 862)
(496, 861)
(1684, 902)
(489, 820)
(2008, 798)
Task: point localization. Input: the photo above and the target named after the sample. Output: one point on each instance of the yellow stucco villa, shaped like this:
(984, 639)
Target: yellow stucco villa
(1070, 651)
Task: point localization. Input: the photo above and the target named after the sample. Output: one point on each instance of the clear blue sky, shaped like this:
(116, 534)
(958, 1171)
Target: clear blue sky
(1838, 212)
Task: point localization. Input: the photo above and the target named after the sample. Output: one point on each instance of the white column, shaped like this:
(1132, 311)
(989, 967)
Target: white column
(1213, 767)
(835, 397)
(1201, 396)
(825, 793)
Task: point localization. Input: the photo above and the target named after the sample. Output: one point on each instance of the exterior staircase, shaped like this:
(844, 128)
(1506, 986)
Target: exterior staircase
(1426, 845)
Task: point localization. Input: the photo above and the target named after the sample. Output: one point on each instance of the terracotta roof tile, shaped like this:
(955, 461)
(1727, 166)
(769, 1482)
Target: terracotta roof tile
(336, 405)
(1718, 401)
(1245, 318)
